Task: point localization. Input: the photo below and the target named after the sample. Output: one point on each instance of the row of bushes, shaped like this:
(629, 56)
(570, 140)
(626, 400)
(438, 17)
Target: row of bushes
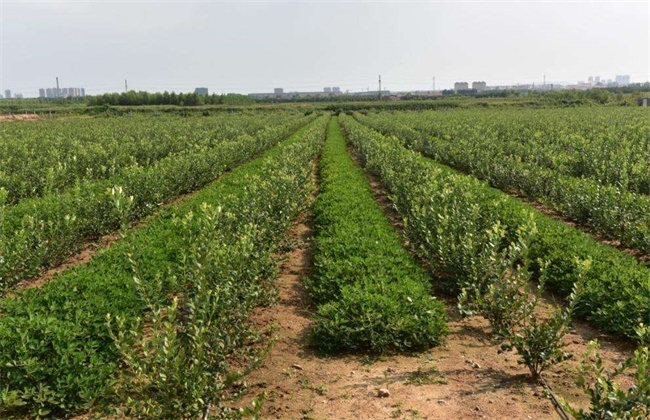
(460, 225)
(46, 157)
(371, 294)
(177, 295)
(597, 197)
(39, 233)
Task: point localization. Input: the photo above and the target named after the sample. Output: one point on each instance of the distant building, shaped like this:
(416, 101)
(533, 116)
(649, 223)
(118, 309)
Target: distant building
(8, 94)
(201, 91)
(384, 93)
(281, 94)
(69, 92)
(644, 102)
(579, 86)
(623, 80)
(461, 86)
(479, 86)
(327, 90)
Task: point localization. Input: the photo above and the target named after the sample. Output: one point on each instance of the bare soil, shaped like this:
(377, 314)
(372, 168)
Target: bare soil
(19, 117)
(466, 377)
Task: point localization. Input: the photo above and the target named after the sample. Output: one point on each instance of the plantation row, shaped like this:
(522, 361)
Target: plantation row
(152, 324)
(371, 294)
(41, 232)
(46, 157)
(461, 228)
(514, 154)
(607, 145)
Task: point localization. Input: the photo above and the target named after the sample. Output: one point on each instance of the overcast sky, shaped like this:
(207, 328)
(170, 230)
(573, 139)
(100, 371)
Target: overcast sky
(257, 46)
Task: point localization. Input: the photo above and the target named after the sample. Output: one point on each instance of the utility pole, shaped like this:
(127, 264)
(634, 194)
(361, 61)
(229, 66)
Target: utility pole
(58, 92)
(380, 87)
(126, 86)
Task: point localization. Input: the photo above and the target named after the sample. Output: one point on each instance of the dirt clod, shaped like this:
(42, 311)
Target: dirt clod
(383, 393)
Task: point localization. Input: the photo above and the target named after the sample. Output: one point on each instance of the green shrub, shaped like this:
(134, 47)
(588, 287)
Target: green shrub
(607, 398)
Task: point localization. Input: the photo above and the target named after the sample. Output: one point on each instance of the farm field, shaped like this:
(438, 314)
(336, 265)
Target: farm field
(591, 165)
(41, 231)
(434, 199)
(326, 266)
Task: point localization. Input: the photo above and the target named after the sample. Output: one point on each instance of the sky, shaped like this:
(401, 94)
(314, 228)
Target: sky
(256, 46)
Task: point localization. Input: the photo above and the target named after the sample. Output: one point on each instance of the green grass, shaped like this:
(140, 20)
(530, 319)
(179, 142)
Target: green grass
(371, 294)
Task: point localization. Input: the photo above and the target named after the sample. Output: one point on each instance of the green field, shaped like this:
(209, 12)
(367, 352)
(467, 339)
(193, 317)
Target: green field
(158, 324)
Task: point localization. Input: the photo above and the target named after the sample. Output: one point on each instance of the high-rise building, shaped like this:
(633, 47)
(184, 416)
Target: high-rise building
(591, 79)
(479, 86)
(461, 86)
(623, 80)
(201, 91)
(69, 92)
(336, 89)
(278, 91)
(7, 93)
(327, 90)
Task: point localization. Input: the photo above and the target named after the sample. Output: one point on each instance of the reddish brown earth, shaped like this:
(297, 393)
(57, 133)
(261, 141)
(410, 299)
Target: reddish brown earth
(466, 377)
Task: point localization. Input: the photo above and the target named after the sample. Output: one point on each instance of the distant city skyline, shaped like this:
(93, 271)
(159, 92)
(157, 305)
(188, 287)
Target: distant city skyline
(622, 80)
(252, 47)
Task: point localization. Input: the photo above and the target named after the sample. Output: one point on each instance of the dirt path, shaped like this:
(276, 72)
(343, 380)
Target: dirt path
(19, 117)
(464, 378)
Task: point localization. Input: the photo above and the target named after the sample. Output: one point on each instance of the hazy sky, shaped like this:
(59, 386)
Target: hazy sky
(256, 46)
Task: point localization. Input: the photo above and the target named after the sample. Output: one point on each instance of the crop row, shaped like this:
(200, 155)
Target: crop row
(371, 294)
(178, 293)
(40, 232)
(460, 226)
(45, 157)
(484, 152)
(608, 145)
